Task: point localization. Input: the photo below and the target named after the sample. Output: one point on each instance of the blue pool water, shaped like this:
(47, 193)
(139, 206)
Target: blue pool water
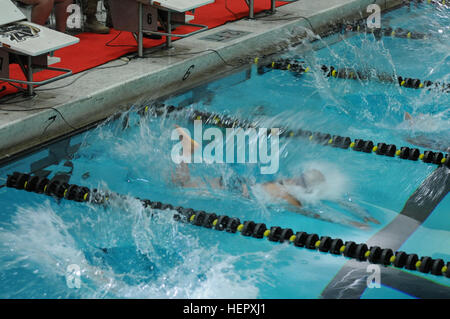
(121, 251)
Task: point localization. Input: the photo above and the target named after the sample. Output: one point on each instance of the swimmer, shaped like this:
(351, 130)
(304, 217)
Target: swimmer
(309, 181)
(422, 140)
(183, 178)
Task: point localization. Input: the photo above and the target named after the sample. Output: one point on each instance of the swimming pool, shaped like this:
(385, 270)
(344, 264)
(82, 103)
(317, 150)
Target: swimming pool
(121, 251)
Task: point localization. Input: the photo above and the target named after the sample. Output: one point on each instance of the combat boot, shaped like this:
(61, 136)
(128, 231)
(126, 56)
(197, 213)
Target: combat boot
(92, 24)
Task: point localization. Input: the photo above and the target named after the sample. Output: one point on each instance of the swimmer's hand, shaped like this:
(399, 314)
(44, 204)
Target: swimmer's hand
(407, 117)
(189, 145)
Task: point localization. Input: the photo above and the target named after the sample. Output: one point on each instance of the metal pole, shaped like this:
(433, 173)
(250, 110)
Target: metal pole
(251, 8)
(30, 76)
(169, 30)
(272, 6)
(140, 34)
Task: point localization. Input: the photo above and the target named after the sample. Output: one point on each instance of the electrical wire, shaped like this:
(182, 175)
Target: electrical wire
(14, 85)
(110, 67)
(84, 74)
(52, 119)
(108, 44)
(6, 100)
(147, 56)
(22, 89)
(40, 109)
(231, 11)
(87, 72)
(156, 56)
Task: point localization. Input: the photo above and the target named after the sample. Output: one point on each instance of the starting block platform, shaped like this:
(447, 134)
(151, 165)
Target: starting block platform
(30, 45)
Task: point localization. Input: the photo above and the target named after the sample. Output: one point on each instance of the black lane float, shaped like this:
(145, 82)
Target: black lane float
(443, 3)
(387, 32)
(326, 244)
(353, 74)
(326, 139)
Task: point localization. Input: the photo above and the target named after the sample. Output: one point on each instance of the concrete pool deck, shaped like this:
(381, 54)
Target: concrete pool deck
(70, 104)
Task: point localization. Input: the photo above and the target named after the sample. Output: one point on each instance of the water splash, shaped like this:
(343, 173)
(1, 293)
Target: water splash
(45, 243)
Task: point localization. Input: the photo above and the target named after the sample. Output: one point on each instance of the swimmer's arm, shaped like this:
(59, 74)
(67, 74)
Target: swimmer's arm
(296, 206)
(276, 191)
(189, 144)
(342, 221)
(291, 200)
(245, 191)
(358, 211)
(182, 175)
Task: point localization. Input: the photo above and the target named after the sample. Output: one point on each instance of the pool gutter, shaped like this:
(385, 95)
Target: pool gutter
(103, 92)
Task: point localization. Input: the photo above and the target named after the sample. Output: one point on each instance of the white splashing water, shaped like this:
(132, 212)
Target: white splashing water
(40, 239)
(427, 123)
(335, 186)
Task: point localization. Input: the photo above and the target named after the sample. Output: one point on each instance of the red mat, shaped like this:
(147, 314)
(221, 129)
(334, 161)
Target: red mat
(92, 50)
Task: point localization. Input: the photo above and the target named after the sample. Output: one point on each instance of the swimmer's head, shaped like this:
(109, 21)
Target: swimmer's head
(313, 178)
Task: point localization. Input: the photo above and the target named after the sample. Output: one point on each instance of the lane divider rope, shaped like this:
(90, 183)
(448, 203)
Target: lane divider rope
(353, 74)
(443, 3)
(325, 244)
(326, 139)
(378, 32)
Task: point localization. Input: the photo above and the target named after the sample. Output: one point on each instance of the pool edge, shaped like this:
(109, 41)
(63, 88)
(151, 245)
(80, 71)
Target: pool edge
(86, 102)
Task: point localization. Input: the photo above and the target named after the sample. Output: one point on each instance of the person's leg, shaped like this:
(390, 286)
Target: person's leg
(92, 24)
(61, 14)
(41, 10)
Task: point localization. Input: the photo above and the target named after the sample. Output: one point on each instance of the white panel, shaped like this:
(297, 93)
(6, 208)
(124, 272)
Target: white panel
(9, 12)
(33, 39)
(180, 5)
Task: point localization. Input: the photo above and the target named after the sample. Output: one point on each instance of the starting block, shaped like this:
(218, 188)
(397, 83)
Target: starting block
(29, 45)
(251, 8)
(143, 16)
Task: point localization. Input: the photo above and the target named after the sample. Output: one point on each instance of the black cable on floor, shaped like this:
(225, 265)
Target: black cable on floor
(40, 109)
(108, 44)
